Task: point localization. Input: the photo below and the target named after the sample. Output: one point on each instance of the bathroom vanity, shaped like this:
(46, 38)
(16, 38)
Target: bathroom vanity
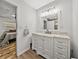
(51, 46)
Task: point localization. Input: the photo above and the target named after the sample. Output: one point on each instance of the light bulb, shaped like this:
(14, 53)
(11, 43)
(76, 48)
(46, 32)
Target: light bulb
(46, 13)
(13, 16)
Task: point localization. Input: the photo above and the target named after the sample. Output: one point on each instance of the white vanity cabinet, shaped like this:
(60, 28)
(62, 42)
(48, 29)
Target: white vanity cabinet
(61, 48)
(51, 46)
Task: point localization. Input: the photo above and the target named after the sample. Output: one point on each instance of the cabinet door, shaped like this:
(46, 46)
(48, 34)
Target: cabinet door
(46, 51)
(40, 45)
(35, 43)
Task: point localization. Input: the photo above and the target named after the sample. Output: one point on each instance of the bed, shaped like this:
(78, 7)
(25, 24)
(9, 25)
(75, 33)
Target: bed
(6, 36)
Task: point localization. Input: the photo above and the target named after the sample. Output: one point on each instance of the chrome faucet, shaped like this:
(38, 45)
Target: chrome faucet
(47, 31)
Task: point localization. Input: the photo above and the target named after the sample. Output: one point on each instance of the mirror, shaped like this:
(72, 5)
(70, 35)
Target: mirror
(51, 20)
(51, 24)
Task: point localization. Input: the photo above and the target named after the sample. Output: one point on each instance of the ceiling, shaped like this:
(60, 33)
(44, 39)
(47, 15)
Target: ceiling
(38, 3)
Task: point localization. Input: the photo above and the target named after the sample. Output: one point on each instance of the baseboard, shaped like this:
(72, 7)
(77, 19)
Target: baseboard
(18, 54)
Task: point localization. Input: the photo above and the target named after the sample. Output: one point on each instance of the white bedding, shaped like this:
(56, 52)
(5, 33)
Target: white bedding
(9, 35)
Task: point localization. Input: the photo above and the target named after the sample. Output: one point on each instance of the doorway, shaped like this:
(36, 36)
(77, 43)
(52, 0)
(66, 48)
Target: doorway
(7, 30)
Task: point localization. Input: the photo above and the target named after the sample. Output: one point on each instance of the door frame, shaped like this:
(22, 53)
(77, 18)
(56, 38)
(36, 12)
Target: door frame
(16, 6)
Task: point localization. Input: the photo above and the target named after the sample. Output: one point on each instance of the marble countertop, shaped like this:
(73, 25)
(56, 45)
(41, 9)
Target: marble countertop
(61, 35)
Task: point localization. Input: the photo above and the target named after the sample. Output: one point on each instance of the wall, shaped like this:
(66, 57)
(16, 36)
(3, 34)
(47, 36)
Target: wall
(66, 16)
(6, 20)
(66, 8)
(75, 27)
(25, 16)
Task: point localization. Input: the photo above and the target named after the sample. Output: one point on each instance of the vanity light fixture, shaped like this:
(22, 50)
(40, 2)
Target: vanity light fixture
(50, 11)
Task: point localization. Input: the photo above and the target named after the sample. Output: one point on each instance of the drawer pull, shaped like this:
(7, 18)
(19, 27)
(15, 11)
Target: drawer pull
(59, 47)
(60, 42)
(60, 54)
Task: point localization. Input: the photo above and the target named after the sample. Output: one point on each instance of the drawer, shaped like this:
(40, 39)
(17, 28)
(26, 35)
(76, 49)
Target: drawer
(60, 41)
(60, 47)
(61, 50)
(59, 56)
(60, 53)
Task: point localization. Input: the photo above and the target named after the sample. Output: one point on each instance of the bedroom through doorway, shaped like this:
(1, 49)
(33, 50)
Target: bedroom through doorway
(7, 30)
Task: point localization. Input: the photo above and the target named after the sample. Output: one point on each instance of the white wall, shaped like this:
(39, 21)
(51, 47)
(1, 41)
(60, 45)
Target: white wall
(66, 21)
(75, 27)
(6, 10)
(25, 16)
